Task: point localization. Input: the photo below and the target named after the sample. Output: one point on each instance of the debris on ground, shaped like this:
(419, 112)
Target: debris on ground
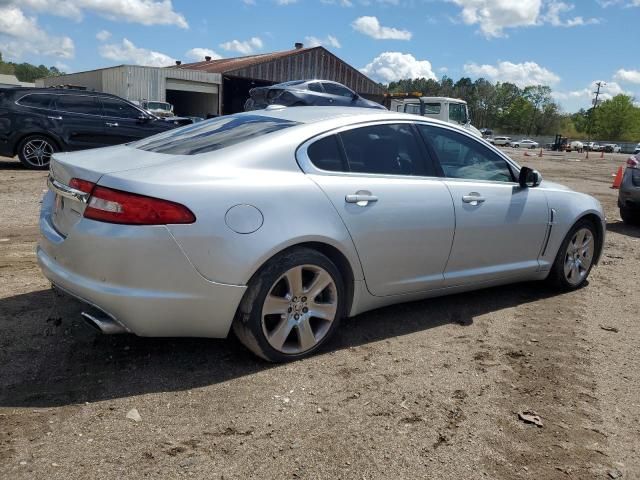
(609, 329)
(134, 415)
(530, 417)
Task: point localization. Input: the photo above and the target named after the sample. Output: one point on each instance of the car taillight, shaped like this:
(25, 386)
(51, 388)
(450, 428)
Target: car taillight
(115, 206)
(83, 185)
(633, 162)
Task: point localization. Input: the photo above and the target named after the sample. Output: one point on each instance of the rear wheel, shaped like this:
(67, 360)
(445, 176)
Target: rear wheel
(574, 260)
(35, 152)
(291, 307)
(629, 216)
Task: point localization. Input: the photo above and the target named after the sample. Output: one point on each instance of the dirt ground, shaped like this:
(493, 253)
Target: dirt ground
(423, 390)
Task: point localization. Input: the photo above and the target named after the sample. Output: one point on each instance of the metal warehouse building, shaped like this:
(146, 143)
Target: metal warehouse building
(219, 86)
(190, 91)
(241, 74)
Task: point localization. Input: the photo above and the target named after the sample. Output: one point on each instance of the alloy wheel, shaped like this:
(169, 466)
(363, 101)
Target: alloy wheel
(37, 152)
(299, 309)
(579, 256)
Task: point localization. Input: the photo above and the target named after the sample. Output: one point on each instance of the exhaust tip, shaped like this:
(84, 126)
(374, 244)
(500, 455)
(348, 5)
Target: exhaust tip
(103, 323)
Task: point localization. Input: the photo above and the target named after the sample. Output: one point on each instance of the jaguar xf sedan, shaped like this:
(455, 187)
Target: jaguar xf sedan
(279, 223)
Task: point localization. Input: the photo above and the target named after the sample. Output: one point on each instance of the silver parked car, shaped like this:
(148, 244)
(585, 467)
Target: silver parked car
(278, 223)
(629, 193)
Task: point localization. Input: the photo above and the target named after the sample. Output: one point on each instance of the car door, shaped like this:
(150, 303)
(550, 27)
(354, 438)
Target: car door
(79, 120)
(319, 97)
(399, 214)
(500, 226)
(125, 123)
(338, 95)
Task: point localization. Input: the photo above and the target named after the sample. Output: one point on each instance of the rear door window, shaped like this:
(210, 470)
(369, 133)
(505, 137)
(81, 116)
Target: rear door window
(211, 135)
(316, 87)
(335, 89)
(37, 100)
(84, 104)
(391, 149)
(326, 154)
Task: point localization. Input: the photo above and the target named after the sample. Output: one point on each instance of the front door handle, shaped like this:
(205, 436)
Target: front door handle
(54, 118)
(111, 124)
(474, 198)
(361, 199)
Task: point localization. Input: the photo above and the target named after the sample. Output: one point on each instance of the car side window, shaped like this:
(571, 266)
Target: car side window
(463, 157)
(334, 89)
(458, 112)
(117, 108)
(325, 154)
(385, 149)
(316, 87)
(85, 104)
(37, 100)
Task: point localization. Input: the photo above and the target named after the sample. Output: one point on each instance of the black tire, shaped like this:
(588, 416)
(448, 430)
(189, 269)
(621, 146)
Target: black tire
(248, 324)
(39, 162)
(629, 216)
(557, 276)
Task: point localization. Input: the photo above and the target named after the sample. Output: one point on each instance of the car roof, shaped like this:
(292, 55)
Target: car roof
(61, 91)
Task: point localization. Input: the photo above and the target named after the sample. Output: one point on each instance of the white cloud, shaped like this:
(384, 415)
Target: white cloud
(392, 66)
(342, 3)
(627, 76)
(371, 26)
(286, 2)
(521, 74)
(145, 12)
(494, 16)
(329, 41)
(103, 35)
(586, 95)
(20, 34)
(197, 54)
(245, 47)
(127, 52)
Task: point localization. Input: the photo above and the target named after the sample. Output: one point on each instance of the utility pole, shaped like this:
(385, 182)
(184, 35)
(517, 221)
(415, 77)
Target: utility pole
(595, 105)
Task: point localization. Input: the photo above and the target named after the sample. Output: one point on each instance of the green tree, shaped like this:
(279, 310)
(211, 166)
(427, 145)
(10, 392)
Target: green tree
(617, 119)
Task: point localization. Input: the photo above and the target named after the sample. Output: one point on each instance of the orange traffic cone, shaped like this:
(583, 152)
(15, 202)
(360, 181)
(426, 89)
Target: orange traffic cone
(602, 154)
(587, 157)
(540, 154)
(618, 180)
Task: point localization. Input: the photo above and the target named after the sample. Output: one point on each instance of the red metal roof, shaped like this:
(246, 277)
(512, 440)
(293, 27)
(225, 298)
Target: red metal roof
(224, 65)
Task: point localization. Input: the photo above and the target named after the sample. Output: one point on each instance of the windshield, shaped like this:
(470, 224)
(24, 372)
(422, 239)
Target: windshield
(212, 135)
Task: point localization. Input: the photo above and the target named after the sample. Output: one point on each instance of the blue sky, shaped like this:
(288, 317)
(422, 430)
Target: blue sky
(567, 45)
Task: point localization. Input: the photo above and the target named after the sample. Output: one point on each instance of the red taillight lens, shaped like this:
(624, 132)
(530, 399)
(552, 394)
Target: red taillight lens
(116, 206)
(82, 185)
(633, 162)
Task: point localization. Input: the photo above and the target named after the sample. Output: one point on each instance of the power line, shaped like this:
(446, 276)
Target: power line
(595, 105)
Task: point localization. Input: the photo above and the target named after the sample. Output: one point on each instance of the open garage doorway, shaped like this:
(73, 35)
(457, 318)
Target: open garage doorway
(192, 99)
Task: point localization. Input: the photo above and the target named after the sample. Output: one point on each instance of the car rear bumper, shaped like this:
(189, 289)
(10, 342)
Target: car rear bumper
(138, 277)
(629, 195)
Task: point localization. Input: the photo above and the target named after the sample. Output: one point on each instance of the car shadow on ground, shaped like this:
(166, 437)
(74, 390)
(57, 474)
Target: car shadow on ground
(624, 229)
(51, 358)
(10, 164)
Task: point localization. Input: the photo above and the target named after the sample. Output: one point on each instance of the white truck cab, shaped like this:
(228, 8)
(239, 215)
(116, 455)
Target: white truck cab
(452, 110)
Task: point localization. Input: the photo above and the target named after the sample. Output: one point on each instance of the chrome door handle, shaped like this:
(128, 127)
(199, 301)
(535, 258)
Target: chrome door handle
(473, 198)
(54, 118)
(360, 199)
(111, 124)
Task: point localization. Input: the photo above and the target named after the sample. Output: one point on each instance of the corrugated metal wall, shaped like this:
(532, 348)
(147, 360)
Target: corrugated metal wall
(91, 80)
(314, 63)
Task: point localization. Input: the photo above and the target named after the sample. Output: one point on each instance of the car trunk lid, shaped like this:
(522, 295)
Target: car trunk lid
(90, 166)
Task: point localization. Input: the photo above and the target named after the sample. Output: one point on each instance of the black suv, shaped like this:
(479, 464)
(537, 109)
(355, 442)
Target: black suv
(36, 122)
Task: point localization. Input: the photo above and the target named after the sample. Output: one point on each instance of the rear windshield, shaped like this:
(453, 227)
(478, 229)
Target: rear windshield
(211, 135)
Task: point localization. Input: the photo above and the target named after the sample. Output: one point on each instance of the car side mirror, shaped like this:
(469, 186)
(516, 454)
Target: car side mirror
(529, 177)
(144, 118)
(355, 96)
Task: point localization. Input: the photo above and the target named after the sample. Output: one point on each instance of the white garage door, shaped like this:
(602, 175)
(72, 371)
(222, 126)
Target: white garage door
(189, 86)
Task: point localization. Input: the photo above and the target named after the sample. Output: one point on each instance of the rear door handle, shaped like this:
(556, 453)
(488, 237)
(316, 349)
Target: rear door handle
(111, 124)
(54, 118)
(361, 199)
(474, 198)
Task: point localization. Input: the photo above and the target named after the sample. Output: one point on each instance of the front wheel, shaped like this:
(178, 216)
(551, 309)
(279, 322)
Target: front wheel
(574, 260)
(35, 152)
(292, 306)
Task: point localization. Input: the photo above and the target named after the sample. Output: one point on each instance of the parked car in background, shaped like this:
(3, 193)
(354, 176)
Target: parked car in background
(231, 250)
(612, 148)
(37, 122)
(629, 193)
(575, 146)
(297, 93)
(500, 141)
(592, 147)
(637, 149)
(159, 109)
(525, 143)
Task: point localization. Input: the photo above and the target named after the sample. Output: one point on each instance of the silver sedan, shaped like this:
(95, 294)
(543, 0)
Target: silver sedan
(279, 223)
